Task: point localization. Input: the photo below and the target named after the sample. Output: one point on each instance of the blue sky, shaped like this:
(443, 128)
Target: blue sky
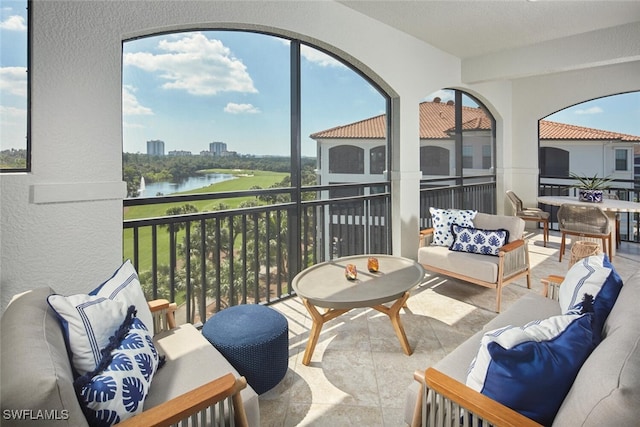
(190, 89)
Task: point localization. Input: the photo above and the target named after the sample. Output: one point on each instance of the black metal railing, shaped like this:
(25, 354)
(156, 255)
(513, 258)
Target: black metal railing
(480, 195)
(623, 189)
(206, 261)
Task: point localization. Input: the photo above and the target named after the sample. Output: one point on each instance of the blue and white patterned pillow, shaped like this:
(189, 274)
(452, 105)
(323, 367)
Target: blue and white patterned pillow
(531, 369)
(442, 219)
(117, 388)
(595, 276)
(89, 320)
(478, 241)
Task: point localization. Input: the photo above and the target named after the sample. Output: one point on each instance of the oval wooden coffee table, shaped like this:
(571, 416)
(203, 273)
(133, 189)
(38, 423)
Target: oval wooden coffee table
(325, 285)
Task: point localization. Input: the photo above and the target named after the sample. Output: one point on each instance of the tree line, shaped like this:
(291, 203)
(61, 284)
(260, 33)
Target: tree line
(179, 168)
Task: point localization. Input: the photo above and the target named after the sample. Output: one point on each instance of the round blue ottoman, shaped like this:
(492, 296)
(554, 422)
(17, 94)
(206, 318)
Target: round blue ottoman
(255, 340)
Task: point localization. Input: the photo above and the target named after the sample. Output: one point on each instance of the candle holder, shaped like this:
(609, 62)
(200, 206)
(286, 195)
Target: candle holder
(373, 265)
(351, 272)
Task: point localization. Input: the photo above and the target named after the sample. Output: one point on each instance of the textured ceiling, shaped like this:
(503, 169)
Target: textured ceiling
(473, 28)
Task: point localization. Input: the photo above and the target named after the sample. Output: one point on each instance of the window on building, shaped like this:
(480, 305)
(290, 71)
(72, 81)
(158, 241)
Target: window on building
(487, 157)
(15, 152)
(554, 162)
(467, 156)
(621, 160)
(434, 160)
(346, 159)
(377, 160)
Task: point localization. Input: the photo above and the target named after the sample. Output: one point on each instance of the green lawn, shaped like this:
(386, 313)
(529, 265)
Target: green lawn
(243, 181)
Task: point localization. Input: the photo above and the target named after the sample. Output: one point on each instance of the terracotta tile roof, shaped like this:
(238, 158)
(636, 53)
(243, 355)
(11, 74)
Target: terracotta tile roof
(372, 128)
(437, 119)
(554, 130)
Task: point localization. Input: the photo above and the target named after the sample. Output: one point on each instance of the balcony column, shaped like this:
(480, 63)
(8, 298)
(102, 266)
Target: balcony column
(405, 177)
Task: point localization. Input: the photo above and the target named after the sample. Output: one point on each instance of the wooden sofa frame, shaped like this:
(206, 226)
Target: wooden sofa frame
(448, 402)
(513, 264)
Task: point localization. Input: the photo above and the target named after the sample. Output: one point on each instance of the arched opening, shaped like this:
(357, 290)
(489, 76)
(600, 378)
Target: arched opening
(237, 114)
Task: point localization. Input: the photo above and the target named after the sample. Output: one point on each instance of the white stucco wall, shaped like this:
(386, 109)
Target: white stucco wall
(61, 224)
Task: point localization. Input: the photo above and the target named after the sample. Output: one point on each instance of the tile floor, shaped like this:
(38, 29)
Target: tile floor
(358, 373)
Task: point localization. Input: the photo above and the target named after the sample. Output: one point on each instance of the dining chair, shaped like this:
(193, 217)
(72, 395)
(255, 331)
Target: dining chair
(530, 214)
(614, 196)
(584, 221)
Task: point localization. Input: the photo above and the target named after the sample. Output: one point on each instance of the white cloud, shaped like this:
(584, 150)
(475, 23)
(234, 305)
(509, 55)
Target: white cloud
(130, 104)
(132, 125)
(13, 80)
(13, 23)
(319, 58)
(234, 108)
(590, 110)
(12, 113)
(444, 95)
(195, 64)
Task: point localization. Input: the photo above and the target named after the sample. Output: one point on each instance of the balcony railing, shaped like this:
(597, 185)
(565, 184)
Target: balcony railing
(479, 194)
(206, 261)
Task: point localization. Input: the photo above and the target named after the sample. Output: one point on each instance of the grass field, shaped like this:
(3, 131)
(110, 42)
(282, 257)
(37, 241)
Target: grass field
(244, 180)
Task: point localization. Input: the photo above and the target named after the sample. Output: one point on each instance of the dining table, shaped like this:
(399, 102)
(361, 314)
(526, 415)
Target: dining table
(610, 207)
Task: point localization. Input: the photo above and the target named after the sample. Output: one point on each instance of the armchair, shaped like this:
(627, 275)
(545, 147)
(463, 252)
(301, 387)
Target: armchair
(196, 384)
(530, 214)
(584, 221)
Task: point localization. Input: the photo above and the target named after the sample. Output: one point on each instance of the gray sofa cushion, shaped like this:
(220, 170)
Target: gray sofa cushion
(485, 267)
(607, 388)
(192, 361)
(36, 373)
(513, 224)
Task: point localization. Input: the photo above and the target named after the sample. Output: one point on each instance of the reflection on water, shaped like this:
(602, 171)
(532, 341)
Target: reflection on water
(191, 183)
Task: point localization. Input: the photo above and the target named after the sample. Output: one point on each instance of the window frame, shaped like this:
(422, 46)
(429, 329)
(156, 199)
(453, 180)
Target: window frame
(27, 168)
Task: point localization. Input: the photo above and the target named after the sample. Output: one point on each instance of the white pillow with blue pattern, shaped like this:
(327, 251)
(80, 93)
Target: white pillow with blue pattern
(530, 369)
(117, 388)
(443, 219)
(596, 276)
(477, 240)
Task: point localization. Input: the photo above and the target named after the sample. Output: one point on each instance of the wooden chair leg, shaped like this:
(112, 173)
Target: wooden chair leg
(562, 244)
(545, 232)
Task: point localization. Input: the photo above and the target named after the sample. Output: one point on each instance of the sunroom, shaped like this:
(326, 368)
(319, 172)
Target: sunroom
(62, 221)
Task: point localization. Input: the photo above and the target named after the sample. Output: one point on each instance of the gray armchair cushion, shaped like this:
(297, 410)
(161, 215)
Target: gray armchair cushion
(36, 372)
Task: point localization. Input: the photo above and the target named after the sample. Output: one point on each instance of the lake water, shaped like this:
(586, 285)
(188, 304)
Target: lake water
(191, 183)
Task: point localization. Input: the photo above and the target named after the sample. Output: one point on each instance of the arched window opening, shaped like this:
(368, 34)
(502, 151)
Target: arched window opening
(457, 153)
(590, 138)
(226, 136)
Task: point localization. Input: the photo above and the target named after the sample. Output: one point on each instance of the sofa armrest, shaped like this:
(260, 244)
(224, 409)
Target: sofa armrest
(512, 246)
(163, 313)
(197, 403)
(551, 286)
(426, 237)
(443, 399)
(515, 259)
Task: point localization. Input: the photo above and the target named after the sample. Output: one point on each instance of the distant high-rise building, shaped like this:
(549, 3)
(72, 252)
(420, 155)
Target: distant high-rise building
(155, 148)
(218, 148)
